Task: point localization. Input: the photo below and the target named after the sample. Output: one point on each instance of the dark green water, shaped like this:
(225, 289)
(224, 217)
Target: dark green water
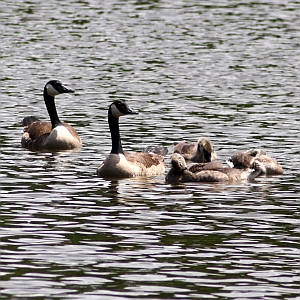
(225, 70)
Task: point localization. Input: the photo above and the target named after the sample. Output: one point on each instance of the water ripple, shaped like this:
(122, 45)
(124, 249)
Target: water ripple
(227, 71)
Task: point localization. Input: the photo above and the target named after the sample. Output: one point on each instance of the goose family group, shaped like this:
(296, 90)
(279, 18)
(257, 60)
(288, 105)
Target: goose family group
(204, 165)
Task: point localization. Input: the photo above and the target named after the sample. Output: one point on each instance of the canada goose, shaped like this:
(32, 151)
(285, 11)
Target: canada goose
(200, 152)
(180, 173)
(271, 164)
(54, 135)
(120, 164)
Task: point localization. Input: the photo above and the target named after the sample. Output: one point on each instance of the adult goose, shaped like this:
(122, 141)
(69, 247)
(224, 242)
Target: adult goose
(55, 135)
(202, 151)
(211, 172)
(271, 165)
(120, 164)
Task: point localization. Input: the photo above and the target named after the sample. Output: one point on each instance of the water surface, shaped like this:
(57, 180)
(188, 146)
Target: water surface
(224, 70)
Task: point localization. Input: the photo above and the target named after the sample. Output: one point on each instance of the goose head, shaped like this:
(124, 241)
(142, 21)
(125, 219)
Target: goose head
(205, 147)
(55, 87)
(120, 108)
(178, 162)
(240, 160)
(256, 152)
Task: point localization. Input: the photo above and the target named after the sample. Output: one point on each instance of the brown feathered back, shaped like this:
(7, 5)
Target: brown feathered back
(37, 129)
(214, 165)
(146, 159)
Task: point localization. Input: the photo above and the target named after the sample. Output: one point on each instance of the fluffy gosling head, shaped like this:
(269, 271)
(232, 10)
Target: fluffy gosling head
(206, 148)
(178, 162)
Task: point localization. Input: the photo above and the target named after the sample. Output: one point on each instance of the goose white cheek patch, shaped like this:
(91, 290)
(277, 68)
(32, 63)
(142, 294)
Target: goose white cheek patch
(115, 112)
(51, 90)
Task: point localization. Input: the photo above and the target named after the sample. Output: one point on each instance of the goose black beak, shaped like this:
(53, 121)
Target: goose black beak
(132, 112)
(62, 89)
(65, 90)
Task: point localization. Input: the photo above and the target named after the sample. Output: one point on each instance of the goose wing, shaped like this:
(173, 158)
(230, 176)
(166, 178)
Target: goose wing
(213, 165)
(156, 150)
(178, 146)
(189, 148)
(37, 129)
(185, 148)
(146, 159)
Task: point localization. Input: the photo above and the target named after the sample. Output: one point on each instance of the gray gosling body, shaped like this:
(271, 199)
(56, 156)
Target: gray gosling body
(271, 165)
(54, 135)
(199, 152)
(211, 172)
(120, 164)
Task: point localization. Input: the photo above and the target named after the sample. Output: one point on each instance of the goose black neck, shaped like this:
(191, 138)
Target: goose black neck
(51, 108)
(115, 134)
